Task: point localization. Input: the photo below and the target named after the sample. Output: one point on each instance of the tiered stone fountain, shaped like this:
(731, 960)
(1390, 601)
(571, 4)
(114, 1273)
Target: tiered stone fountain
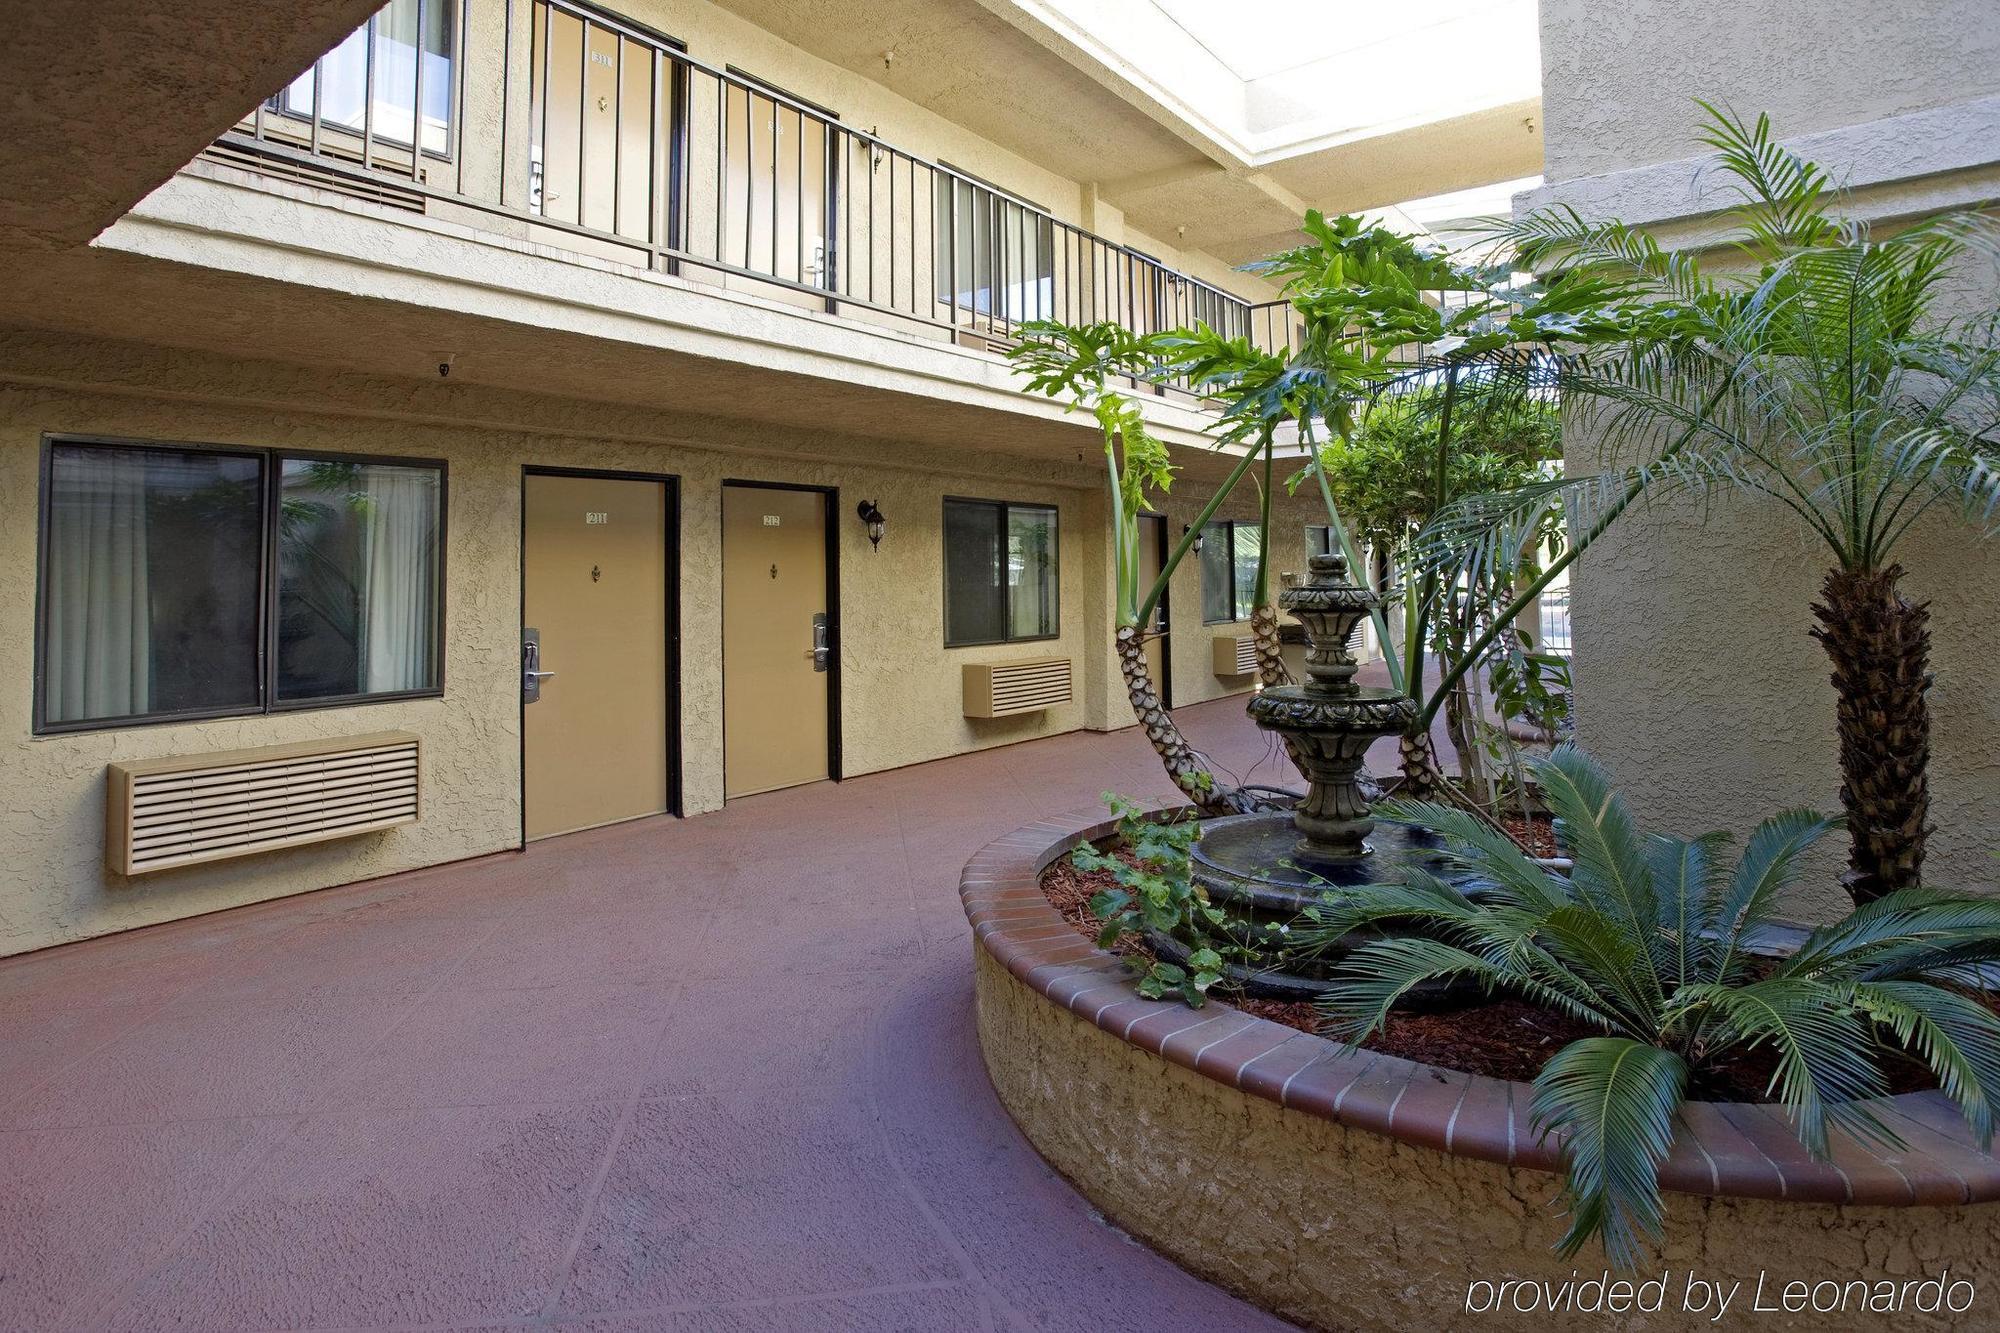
(1266, 869)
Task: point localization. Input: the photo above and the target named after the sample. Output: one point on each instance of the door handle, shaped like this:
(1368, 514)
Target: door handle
(532, 674)
(822, 650)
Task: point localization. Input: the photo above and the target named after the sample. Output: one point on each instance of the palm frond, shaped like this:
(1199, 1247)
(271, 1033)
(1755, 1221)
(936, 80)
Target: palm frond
(1611, 872)
(1817, 1038)
(1612, 1103)
(1783, 196)
(1770, 864)
(1901, 929)
(1374, 978)
(1957, 1038)
(1492, 863)
(1687, 873)
(1421, 899)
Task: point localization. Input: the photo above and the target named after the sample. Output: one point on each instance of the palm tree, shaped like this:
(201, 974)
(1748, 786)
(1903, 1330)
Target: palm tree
(1384, 317)
(1079, 363)
(1824, 377)
(1645, 941)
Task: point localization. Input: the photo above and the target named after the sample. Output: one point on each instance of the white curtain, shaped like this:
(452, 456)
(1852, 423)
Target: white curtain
(398, 564)
(99, 646)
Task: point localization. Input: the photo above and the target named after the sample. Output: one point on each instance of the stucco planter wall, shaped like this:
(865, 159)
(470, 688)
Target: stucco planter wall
(1359, 1191)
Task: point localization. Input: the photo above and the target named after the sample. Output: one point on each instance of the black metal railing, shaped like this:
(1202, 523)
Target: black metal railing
(632, 149)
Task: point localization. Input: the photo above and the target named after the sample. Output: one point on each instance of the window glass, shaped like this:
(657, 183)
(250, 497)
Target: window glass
(357, 579)
(1218, 594)
(405, 36)
(1319, 539)
(1228, 571)
(151, 582)
(975, 600)
(996, 257)
(1031, 573)
(1001, 571)
(1246, 568)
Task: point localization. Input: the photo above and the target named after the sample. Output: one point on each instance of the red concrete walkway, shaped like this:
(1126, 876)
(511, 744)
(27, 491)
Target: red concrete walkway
(714, 1074)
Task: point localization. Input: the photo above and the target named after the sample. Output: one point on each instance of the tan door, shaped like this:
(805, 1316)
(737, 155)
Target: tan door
(594, 600)
(593, 99)
(1152, 555)
(774, 682)
(775, 195)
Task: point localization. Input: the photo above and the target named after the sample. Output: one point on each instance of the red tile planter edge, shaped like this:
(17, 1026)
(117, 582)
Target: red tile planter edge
(1724, 1149)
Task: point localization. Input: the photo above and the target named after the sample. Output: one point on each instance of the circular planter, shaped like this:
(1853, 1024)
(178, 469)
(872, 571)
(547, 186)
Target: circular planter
(1350, 1190)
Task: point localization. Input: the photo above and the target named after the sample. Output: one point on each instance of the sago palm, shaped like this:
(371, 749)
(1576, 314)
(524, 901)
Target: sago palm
(1823, 374)
(1645, 941)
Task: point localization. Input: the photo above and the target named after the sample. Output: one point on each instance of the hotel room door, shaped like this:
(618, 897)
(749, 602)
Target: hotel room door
(778, 649)
(596, 650)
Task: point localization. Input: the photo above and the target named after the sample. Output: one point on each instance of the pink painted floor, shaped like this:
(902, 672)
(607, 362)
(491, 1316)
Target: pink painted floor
(714, 1074)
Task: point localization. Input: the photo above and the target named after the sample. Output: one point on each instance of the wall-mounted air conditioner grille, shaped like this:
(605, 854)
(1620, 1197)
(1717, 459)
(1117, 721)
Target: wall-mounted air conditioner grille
(162, 813)
(325, 173)
(1235, 655)
(1002, 689)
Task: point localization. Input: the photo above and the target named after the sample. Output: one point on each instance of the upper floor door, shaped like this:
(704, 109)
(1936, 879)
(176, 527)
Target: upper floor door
(600, 113)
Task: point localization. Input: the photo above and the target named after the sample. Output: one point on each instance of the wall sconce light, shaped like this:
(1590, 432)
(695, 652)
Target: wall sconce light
(872, 516)
(1187, 528)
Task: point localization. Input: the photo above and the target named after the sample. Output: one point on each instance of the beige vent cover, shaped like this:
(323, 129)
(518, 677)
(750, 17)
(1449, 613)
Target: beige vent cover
(1235, 655)
(161, 813)
(1002, 689)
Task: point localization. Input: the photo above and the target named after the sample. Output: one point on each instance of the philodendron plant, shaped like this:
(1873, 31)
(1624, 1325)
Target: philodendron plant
(1645, 941)
(1155, 892)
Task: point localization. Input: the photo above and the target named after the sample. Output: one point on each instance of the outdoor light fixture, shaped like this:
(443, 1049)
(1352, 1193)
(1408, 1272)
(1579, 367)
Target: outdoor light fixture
(872, 516)
(1187, 528)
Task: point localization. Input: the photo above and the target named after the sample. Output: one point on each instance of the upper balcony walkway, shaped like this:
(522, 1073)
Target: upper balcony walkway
(568, 127)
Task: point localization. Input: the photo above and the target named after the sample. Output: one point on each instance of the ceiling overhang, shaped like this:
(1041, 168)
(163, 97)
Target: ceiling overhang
(169, 78)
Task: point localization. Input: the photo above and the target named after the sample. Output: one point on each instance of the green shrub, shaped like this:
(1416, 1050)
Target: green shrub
(1155, 892)
(1645, 941)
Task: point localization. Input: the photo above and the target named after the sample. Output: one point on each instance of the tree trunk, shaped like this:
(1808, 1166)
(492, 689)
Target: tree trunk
(1176, 755)
(1459, 710)
(1270, 655)
(1879, 643)
(1422, 778)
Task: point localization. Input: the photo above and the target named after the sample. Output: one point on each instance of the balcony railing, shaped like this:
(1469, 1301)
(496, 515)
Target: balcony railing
(607, 138)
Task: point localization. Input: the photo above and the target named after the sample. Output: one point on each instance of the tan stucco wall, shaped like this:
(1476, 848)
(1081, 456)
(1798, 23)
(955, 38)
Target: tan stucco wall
(901, 700)
(1619, 94)
(1340, 1228)
(1698, 686)
(1696, 681)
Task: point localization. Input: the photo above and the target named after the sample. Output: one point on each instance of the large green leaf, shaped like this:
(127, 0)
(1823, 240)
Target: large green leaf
(1902, 933)
(1611, 871)
(1770, 863)
(1494, 861)
(1376, 977)
(1688, 873)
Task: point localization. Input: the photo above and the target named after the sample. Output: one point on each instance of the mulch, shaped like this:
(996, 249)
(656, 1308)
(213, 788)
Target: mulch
(1502, 1038)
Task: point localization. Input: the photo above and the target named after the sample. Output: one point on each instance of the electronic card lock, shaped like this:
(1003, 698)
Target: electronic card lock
(532, 674)
(822, 650)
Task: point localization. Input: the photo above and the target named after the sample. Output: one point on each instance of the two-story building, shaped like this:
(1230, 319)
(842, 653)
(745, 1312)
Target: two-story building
(530, 415)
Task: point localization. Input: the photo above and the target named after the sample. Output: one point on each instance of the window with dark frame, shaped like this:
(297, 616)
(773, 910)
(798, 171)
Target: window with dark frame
(188, 581)
(1001, 571)
(1320, 541)
(993, 254)
(412, 44)
(1228, 571)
